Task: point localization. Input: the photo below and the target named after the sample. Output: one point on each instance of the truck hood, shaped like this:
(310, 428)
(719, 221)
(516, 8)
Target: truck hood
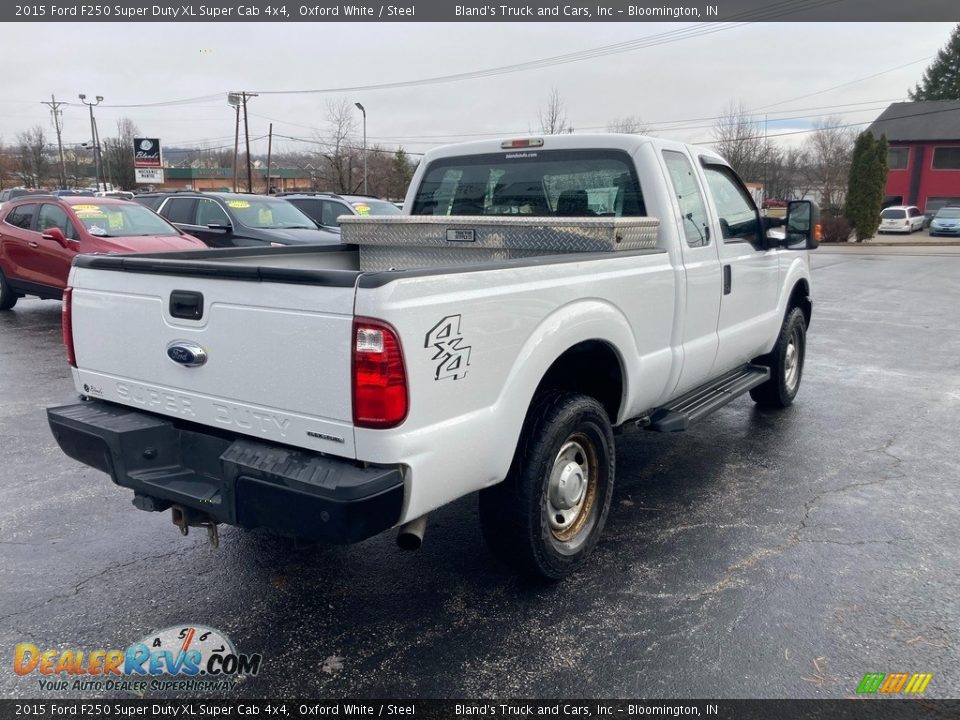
(298, 236)
(153, 243)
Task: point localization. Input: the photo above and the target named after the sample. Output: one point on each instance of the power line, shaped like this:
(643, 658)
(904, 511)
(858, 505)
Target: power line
(770, 12)
(659, 125)
(343, 145)
(851, 82)
(165, 103)
(774, 10)
(845, 125)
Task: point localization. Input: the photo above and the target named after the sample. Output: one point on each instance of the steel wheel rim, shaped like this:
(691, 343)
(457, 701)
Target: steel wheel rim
(791, 361)
(572, 488)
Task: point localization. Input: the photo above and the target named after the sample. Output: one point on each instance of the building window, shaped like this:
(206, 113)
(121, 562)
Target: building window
(897, 158)
(946, 158)
(935, 203)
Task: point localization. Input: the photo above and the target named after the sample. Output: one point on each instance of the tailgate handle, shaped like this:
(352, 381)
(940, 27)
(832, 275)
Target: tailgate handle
(186, 304)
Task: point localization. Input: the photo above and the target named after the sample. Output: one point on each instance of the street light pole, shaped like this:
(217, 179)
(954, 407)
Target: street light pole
(246, 131)
(363, 110)
(97, 161)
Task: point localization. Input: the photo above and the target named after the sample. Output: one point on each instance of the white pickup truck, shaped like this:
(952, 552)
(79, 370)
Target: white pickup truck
(539, 296)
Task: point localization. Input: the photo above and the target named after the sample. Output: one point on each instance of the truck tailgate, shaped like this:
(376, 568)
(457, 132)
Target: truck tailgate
(278, 354)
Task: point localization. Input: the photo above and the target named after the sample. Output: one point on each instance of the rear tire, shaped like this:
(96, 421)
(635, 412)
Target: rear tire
(8, 298)
(785, 362)
(545, 518)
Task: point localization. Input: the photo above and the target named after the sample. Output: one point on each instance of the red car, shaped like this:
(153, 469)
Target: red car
(40, 235)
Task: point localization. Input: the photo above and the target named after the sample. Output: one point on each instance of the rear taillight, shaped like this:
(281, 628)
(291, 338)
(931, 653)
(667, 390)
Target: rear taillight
(379, 378)
(66, 321)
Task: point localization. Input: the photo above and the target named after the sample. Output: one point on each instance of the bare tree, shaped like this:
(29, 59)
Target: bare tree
(33, 165)
(553, 117)
(119, 154)
(7, 163)
(740, 140)
(785, 173)
(629, 125)
(339, 154)
(829, 148)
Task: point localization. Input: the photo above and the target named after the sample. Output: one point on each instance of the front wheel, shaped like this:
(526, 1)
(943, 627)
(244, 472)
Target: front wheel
(546, 517)
(785, 362)
(8, 298)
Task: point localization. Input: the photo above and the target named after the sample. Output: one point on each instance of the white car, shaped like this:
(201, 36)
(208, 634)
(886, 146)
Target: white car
(901, 218)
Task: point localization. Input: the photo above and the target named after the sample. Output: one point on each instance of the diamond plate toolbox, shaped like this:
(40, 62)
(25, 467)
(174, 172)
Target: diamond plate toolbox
(405, 242)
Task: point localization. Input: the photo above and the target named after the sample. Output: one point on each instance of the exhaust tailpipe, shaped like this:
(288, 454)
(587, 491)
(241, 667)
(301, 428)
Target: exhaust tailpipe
(410, 535)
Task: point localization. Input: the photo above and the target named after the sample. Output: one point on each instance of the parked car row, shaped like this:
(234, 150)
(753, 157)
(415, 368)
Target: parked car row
(41, 232)
(326, 208)
(235, 219)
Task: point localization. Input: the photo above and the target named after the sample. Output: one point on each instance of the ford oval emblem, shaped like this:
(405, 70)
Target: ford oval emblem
(186, 353)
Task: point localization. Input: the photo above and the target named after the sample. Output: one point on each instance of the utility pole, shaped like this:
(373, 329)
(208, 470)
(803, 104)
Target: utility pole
(233, 99)
(97, 159)
(57, 114)
(269, 154)
(246, 131)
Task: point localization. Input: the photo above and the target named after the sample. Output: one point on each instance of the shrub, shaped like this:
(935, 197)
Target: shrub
(835, 228)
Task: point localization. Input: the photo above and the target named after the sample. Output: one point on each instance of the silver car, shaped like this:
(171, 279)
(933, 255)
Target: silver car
(946, 221)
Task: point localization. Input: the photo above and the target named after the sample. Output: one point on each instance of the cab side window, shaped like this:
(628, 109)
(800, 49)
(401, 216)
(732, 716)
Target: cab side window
(692, 207)
(54, 216)
(735, 209)
(22, 216)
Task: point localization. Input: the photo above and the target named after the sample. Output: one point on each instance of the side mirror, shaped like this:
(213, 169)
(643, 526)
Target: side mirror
(803, 225)
(55, 234)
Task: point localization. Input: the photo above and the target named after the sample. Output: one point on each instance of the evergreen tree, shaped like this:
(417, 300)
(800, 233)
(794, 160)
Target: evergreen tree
(941, 79)
(863, 203)
(879, 180)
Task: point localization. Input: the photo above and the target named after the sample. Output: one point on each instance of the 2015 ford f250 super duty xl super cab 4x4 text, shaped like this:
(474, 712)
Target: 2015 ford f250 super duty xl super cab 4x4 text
(536, 295)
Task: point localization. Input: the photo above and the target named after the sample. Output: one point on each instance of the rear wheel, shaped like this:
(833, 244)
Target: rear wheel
(785, 362)
(8, 298)
(546, 517)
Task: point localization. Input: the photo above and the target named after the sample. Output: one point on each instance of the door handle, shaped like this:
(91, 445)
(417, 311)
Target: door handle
(727, 279)
(33, 244)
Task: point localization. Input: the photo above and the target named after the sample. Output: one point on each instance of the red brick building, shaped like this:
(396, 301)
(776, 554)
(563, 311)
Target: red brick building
(924, 155)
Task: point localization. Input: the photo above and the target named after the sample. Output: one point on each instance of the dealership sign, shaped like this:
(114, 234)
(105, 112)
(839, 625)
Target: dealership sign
(149, 176)
(146, 153)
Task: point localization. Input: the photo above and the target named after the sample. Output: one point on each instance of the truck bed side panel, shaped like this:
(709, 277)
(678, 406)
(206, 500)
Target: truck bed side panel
(477, 344)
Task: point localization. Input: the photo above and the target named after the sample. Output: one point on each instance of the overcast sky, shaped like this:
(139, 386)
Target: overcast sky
(685, 79)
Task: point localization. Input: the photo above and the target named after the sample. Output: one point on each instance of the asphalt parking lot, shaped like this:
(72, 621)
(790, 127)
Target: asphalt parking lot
(760, 554)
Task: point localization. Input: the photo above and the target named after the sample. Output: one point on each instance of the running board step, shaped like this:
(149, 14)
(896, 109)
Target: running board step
(705, 399)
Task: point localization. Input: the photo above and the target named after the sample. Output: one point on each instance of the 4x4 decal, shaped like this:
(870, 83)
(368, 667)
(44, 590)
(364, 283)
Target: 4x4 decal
(452, 357)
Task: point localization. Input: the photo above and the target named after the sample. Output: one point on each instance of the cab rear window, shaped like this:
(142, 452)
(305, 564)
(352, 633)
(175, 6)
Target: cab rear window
(560, 183)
